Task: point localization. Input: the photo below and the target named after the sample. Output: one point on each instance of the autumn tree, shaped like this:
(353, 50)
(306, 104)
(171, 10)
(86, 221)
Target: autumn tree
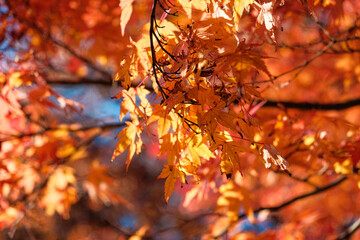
(238, 119)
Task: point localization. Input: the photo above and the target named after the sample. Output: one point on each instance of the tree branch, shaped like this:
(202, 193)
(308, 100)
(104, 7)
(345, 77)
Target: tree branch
(291, 201)
(309, 194)
(79, 81)
(300, 67)
(316, 106)
(269, 103)
(104, 126)
(350, 230)
(153, 52)
(57, 42)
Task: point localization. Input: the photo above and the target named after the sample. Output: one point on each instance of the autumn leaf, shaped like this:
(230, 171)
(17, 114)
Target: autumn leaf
(129, 138)
(211, 89)
(129, 103)
(269, 153)
(165, 120)
(198, 149)
(232, 197)
(60, 192)
(170, 145)
(126, 11)
(99, 186)
(17, 79)
(30, 178)
(343, 168)
(124, 75)
(140, 233)
(171, 173)
(241, 5)
(266, 17)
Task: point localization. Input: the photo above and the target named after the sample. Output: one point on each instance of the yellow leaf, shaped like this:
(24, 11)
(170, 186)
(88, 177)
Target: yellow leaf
(240, 5)
(220, 226)
(199, 4)
(232, 197)
(187, 6)
(15, 80)
(165, 172)
(142, 55)
(343, 168)
(226, 166)
(102, 59)
(171, 173)
(60, 192)
(198, 148)
(81, 153)
(60, 133)
(140, 233)
(229, 155)
(2, 78)
(309, 139)
(187, 167)
(127, 103)
(10, 215)
(126, 11)
(168, 29)
(129, 138)
(165, 120)
(257, 137)
(144, 102)
(123, 75)
(130, 105)
(169, 186)
(65, 151)
(170, 145)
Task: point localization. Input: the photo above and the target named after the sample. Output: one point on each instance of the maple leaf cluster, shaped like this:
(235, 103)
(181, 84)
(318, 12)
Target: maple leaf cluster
(246, 110)
(200, 73)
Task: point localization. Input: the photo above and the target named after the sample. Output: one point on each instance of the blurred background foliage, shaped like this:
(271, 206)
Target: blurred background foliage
(58, 124)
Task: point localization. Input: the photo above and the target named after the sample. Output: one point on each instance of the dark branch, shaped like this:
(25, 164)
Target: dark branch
(309, 194)
(316, 106)
(79, 81)
(153, 52)
(293, 200)
(350, 230)
(104, 127)
(269, 103)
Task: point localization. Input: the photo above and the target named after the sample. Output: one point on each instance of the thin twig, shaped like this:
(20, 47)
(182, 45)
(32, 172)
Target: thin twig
(291, 201)
(350, 231)
(301, 66)
(309, 194)
(152, 47)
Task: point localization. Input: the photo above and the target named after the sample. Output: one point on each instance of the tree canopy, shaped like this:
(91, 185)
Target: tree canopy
(235, 119)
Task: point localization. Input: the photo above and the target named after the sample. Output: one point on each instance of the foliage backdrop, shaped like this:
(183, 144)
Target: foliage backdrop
(240, 119)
